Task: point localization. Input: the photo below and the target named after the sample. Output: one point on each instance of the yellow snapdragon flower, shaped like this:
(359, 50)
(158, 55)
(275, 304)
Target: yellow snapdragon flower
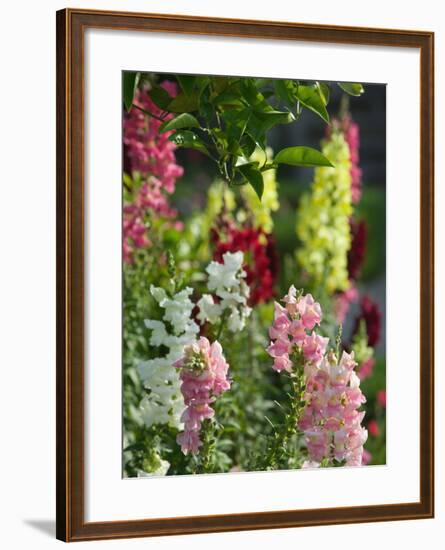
(262, 210)
(218, 192)
(323, 220)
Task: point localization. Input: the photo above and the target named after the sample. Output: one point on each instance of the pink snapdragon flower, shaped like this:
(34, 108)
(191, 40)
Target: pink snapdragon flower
(153, 156)
(148, 151)
(317, 443)
(135, 235)
(343, 300)
(373, 428)
(291, 300)
(351, 131)
(314, 347)
(288, 332)
(366, 457)
(333, 397)
(189, 441)
(330, 419)
(310, 311)
(281, 325)
(282, 363)
(366, 368)
(381, 398)
(279, 348)
(204, 376)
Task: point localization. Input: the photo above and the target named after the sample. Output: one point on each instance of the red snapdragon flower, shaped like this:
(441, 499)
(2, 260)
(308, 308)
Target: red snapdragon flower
(370, 313)
(356, 254)
(373, 428)
(381, 398)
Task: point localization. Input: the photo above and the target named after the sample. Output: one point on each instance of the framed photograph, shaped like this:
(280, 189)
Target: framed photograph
(245, 275)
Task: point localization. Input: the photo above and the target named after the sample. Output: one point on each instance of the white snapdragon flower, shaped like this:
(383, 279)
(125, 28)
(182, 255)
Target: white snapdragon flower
(154, 412)
(164, 403)
(208, 310)
(156, 371)
(158, 293)
(237, 319)
(227, 281)
(231, 298)
(226, 275)
(235, 322)
(159, 332)
(178, 310)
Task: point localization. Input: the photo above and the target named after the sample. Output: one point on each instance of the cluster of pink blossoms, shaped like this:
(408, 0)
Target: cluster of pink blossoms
(289, 331)
(152, 155)
(204, 376)
(330, 418)
(343, 300)
(135, 232)
(148, 151)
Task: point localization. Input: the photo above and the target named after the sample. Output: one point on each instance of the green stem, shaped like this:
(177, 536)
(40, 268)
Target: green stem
(206, 454)
(279, 450)
(338, 340)
(215, 145)
(251, 343)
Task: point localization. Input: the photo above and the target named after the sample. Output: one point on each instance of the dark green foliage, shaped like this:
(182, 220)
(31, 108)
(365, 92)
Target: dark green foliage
(231, 116)
(130, 82)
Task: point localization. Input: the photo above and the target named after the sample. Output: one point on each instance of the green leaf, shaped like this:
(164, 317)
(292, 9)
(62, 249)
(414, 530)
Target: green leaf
(160, 97)
(255, 128)
(201, 82)
(311, 98)
(236, 122)
(325, 92)
(206, 109)
(184, 103)
(253, 176)
(186, 82)
(184, 120)
(130, 84)
(250, 93)
(264, 120)
(221, 140)
(220, 83)
(248, 145)
(284, 90)
(267, 94)
(301, 156)
(228, 99)
(128, 180)
(186, 138)
(134, 447)
(352, 88)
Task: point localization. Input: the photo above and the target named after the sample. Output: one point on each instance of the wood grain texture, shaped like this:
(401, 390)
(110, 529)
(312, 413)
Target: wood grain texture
(71, 24)
(62, 315)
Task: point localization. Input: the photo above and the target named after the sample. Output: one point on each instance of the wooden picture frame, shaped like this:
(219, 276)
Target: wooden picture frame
(71, 26)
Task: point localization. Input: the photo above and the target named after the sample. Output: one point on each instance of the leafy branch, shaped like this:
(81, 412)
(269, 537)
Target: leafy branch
(227, 118)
